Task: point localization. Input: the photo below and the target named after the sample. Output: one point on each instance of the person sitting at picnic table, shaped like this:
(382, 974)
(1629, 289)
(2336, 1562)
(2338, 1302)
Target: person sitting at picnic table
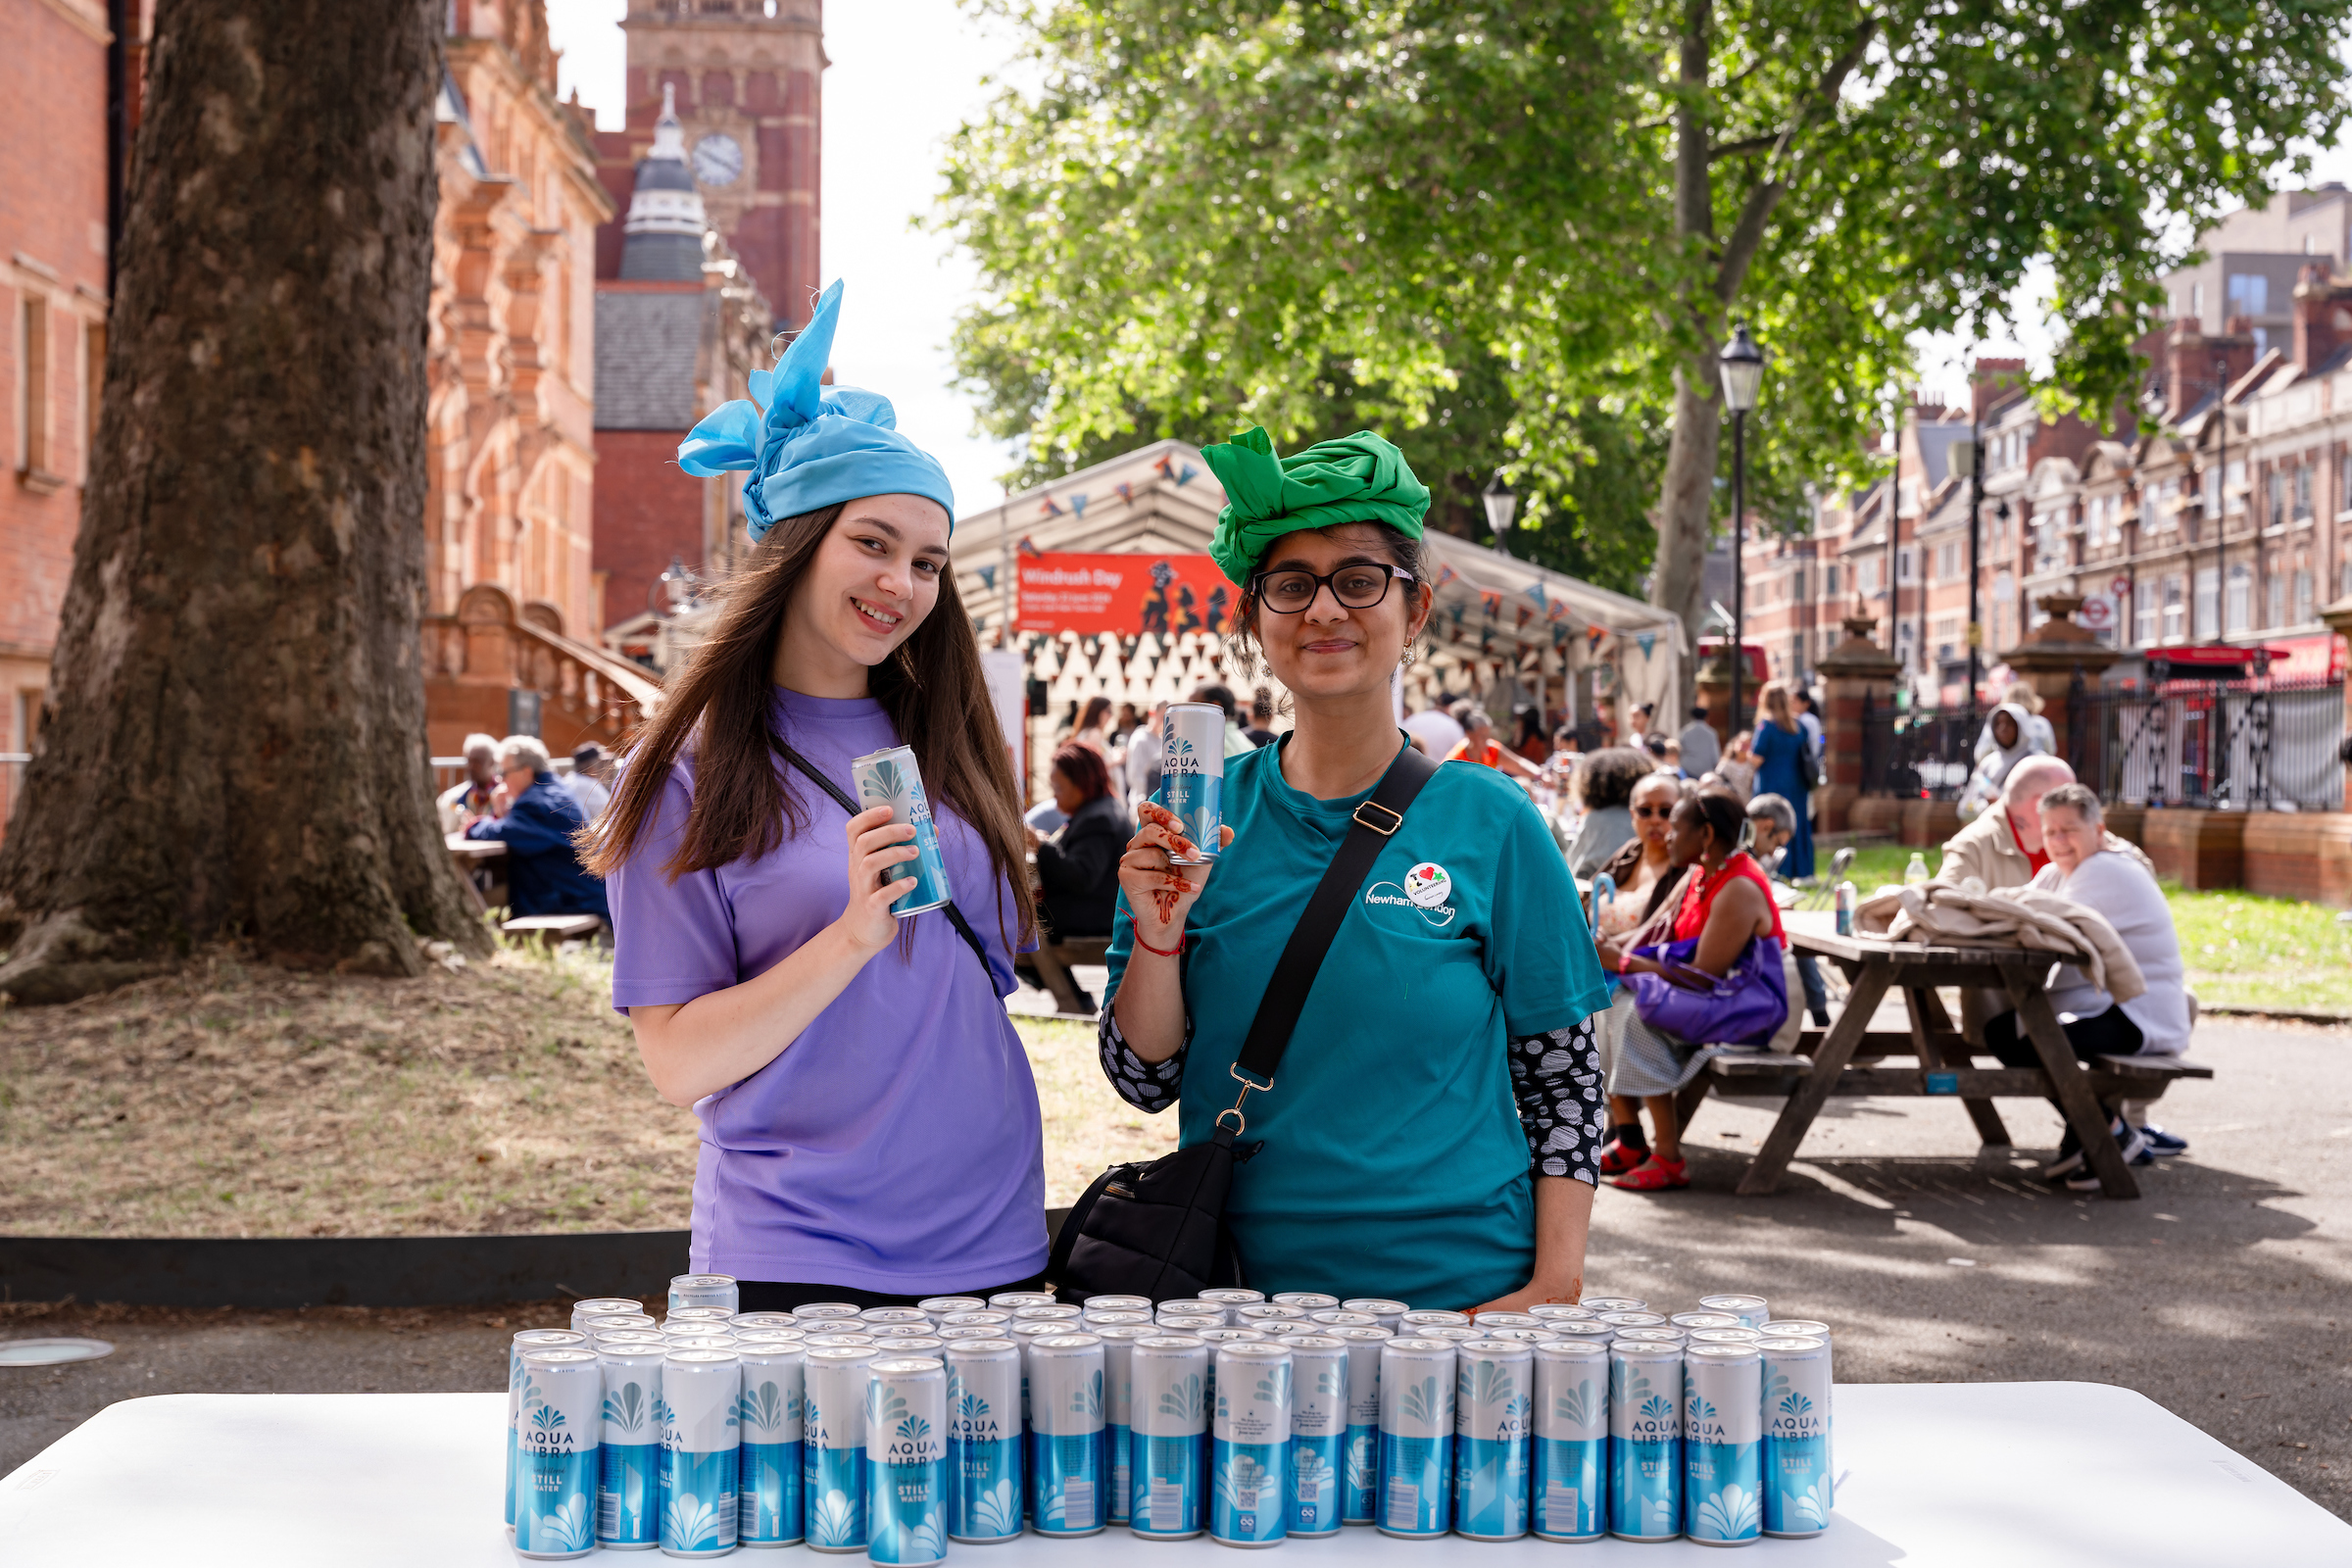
(544, 875)
(2002, 848)
(587, 782)
(1643, 875)
(1604, 782)
(1727, 908)
(1078, 867)
(471, 796)
(1772, 823)
(2154, 1024)
(1479, 744)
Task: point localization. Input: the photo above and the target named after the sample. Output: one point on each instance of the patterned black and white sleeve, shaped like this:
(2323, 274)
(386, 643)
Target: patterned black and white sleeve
(1555, 1078)
(1148, 1086)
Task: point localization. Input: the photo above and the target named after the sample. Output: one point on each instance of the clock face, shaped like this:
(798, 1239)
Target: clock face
(717, 159)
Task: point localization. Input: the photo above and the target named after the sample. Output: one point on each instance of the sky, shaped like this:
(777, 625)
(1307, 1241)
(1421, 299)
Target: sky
(904, 74)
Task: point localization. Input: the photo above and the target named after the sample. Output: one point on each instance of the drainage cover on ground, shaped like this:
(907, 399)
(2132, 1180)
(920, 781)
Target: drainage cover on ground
(49, 1352)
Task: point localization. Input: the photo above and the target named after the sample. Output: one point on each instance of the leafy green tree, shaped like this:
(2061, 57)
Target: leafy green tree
(1207, 213)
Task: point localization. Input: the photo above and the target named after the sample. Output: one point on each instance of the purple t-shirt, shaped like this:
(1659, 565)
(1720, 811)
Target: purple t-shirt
(893, 1146)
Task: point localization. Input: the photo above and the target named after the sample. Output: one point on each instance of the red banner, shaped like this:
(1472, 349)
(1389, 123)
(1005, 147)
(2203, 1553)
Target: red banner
(1124, 595)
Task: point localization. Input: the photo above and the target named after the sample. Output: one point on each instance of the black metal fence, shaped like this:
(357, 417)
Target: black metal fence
(2238, 743)
(1918, 753)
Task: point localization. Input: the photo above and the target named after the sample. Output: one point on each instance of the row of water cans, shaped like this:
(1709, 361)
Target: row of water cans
(895, 1431)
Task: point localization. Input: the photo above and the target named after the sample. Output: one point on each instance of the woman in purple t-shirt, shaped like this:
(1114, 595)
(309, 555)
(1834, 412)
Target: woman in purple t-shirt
(869, 1124)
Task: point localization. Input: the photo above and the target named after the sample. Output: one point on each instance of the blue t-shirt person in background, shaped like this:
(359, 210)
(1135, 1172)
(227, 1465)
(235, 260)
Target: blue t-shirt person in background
(544, 875)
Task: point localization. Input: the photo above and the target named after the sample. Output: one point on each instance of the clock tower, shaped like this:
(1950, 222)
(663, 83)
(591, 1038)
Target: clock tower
(745, 76)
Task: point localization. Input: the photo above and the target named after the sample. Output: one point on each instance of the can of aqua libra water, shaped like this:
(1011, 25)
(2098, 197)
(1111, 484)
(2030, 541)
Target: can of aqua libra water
(1493, 1379)
(1065, 1426)
(1799, 1492)
(706, 1317)
(1449, 1332)
(1118, 1303)
(1339, 1318)
(1646, 1441)
(1588, 1331)
(1119, 1408)
(985, 1483)
(1723, 1441)
(628, 1462)
(1488, 1321)
(815, 1312)
(1170, 1419)
(1187, 1323)
(937, 1307)
(1093, 1320)
(1431, 1318)
(1417, 1437)
(1386, 1313)
(617, 1316)
(1230, 1297)
(1523, 1336)
(1571, 1450)
(1691, 1321)
(1750, 1310)
(1631, 1318)
(704, 1289)
(1794, 1328)
(1653, 1336)
(1308, 1301)
(763, 1320)
(833, 1446)
(1192, 779)
(1319, 1417)
(702, 1392)
(973, 1330)
(889, 777)
(1561, 1311)
(837, 1341)
(525, 1341)
(1725, 1335)
(877, 1318)
(1271, 1316)
(560, 1428)
(906, 1460)
(1192, 1308)
(978, 1317)
(637, 1337)
(1048, 1312)
(1249, 1425)
(605, 1306)
(1359, 1466)
(1613, 1303)
(1009, 1300)
(774, 1400)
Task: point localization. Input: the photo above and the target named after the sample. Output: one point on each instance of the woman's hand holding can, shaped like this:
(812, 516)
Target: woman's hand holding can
(1159, 892)
(878, 848)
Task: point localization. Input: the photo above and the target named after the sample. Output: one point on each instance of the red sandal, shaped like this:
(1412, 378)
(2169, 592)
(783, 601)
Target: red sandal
(1655, 1176)
(1617, 1157)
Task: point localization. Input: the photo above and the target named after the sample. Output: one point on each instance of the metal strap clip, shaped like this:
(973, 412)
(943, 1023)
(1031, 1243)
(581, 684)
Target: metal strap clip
(1241, 1123)
(1395, 818)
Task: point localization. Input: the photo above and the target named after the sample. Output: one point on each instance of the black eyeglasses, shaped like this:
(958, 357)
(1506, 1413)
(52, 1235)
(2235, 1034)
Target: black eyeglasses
(1290, 589)
(1653, 811)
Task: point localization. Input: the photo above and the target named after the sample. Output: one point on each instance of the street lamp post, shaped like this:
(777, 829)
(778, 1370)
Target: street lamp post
(1502, 504)
(2220, 515)
(1976, 527)
(1741, 364)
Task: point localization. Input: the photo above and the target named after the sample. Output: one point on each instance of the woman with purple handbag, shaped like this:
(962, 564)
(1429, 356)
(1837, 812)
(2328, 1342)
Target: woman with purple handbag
(1716, 984)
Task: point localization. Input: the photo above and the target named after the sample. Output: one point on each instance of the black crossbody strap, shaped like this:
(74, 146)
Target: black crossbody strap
(1376, 820)
(963, 927)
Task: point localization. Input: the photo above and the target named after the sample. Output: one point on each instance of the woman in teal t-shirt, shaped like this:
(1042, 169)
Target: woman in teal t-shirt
(1432, 1130)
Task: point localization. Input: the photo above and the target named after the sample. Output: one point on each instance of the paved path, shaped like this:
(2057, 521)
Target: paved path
(2225, 1293)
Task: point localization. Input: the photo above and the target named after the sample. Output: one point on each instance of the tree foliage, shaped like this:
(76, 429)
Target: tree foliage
(1505, 229)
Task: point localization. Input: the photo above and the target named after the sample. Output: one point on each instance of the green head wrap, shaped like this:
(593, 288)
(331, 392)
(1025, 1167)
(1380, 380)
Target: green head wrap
(1356, 478)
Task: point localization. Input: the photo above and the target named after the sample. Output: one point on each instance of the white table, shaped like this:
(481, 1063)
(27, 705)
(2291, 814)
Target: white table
(1974, 1473)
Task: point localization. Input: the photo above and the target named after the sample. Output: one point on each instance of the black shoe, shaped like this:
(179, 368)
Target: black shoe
(2127, 1140)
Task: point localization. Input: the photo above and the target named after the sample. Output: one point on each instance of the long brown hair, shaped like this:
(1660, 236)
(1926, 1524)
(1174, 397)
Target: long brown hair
(723, 704)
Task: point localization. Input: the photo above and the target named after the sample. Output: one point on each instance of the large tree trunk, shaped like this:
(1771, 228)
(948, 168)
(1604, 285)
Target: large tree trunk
(237, 745)
(1686, 515)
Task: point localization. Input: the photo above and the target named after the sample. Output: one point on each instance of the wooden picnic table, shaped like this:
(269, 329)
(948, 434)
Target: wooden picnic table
(471, 850)
(1848, 1059)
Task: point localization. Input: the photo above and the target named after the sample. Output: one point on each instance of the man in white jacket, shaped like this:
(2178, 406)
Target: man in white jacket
(2154, 1024)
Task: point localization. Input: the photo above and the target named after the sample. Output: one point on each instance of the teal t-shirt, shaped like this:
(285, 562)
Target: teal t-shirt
(1394, 1162)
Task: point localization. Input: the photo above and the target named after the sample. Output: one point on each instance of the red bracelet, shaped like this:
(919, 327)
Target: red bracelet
(1165, 953)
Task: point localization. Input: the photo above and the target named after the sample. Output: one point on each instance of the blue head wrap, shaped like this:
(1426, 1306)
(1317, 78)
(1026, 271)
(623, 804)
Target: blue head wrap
(816, 445)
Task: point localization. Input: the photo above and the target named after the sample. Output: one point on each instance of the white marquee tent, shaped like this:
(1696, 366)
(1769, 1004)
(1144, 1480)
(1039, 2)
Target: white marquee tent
(1505, 629)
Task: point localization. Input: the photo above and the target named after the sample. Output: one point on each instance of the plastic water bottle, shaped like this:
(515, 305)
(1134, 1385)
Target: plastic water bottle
(1848, 897)
(1915, 875)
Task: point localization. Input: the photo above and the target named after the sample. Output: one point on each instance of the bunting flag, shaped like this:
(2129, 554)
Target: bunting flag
(988, 578)
(1049, 509)
(1447, 574)
(1492, 598)
(1646, 640)
(1525, 616)
(1559, 636)
(1028, 547)
(1078, 505)
(1168, 469)
(1558, 610)
(1457, 617)
(1486, 638)
(1125, 492)
(1593, 637)
(1535, 591)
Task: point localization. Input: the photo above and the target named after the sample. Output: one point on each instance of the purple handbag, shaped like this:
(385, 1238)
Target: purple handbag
(1744, 1008)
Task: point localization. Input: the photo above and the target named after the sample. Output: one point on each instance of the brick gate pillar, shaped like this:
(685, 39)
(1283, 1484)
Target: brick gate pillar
(1855, 666)
(2047, 658)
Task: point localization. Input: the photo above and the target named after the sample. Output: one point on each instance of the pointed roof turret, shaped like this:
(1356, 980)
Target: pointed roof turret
(665, 229)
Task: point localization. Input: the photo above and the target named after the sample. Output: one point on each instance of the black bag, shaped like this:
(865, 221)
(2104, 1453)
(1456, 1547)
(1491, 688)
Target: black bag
(1808, 766)
(954, 916)
(1157, 1229)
